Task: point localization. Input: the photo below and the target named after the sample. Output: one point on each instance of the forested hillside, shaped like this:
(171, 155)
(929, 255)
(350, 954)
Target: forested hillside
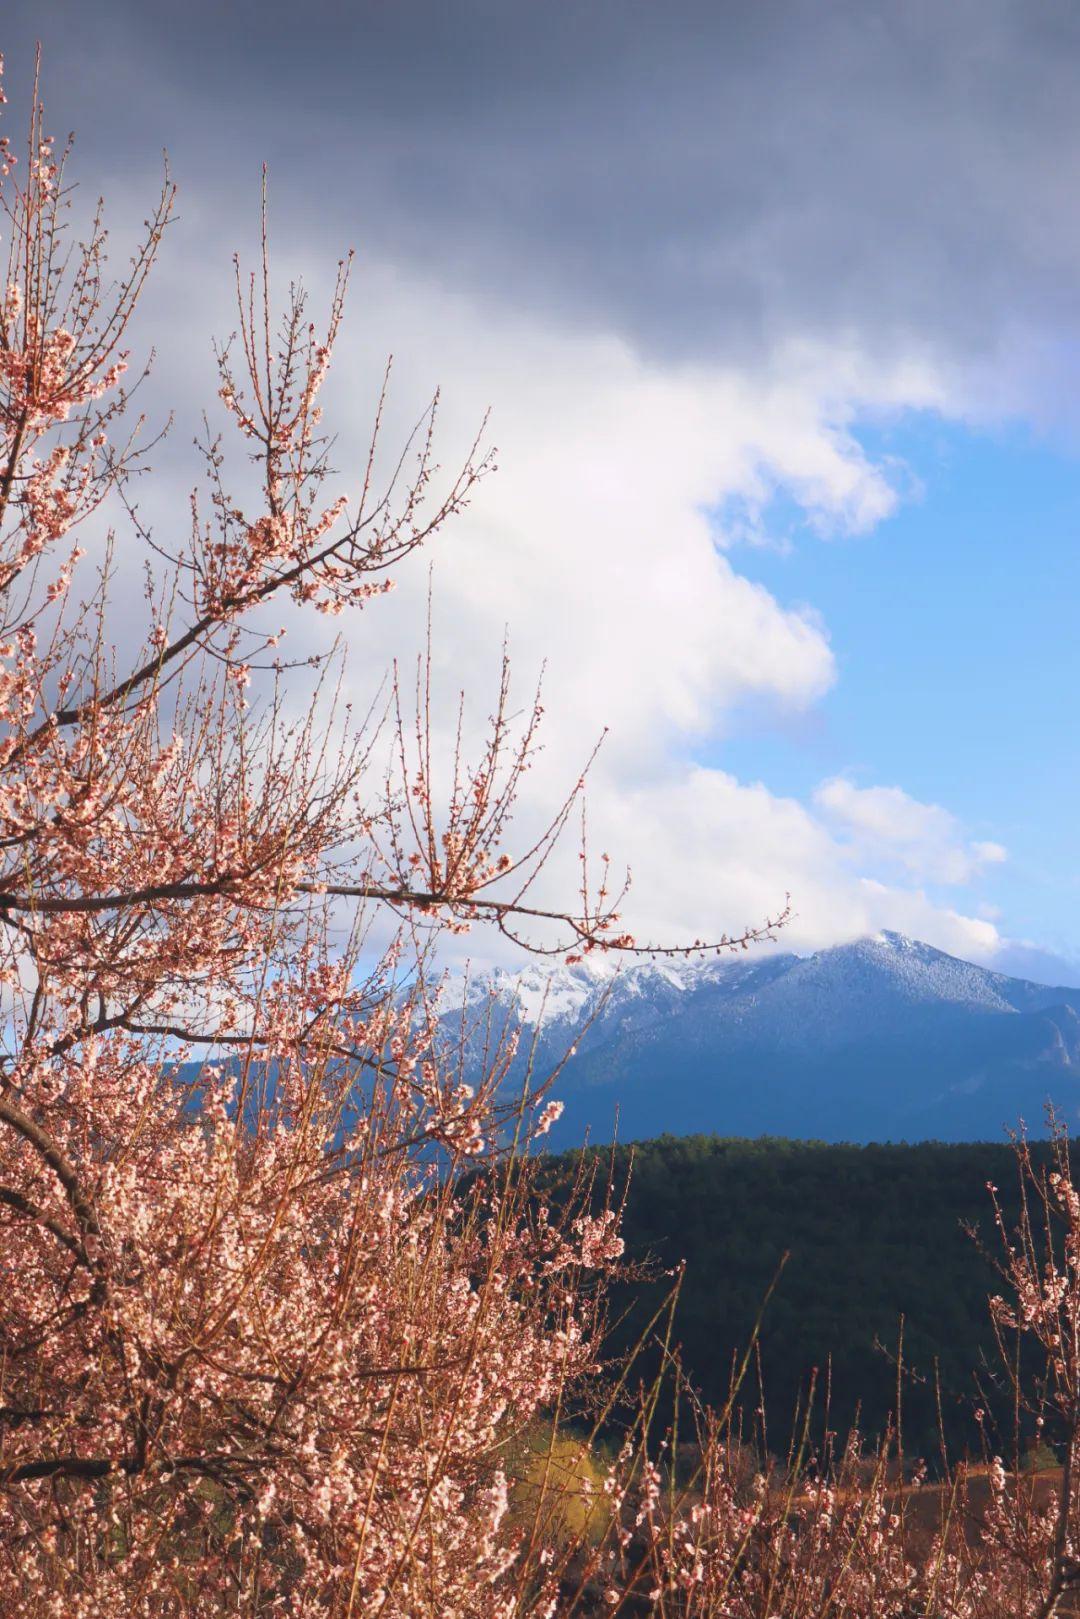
(875, 1235)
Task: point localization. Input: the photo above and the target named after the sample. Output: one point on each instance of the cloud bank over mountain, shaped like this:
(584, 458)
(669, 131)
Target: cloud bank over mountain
(688, 255)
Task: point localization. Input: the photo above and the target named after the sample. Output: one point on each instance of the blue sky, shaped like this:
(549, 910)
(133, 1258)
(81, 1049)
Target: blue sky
(958, 654)
(717, 267)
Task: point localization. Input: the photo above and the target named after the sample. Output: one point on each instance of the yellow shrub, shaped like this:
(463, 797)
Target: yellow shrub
(556, 1482)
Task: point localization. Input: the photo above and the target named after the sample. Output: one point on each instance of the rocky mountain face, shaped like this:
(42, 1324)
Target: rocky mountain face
(886, 1039)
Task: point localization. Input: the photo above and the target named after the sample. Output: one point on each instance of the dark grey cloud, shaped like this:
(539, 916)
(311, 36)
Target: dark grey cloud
(709, 179)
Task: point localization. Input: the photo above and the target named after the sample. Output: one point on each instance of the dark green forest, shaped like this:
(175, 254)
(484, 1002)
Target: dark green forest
(875, 1235)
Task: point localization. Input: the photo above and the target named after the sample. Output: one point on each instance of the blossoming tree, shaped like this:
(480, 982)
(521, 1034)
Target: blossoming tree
(258, 1351)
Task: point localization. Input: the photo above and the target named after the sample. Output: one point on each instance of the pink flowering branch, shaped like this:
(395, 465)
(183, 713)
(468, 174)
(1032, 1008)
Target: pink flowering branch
(267, 1335)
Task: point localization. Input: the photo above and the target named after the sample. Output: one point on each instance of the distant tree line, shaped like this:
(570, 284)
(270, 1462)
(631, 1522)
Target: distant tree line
(891, 1254)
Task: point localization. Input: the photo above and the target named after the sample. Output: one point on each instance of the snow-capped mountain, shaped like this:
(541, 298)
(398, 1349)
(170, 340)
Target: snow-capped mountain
(884, 1039)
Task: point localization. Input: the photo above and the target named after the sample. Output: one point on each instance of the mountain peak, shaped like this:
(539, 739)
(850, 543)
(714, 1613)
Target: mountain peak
(883, 1038)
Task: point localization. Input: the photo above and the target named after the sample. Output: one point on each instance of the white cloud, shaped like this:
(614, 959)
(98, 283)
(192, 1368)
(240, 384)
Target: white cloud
(886, 823)
(596, 545)
(713, 852)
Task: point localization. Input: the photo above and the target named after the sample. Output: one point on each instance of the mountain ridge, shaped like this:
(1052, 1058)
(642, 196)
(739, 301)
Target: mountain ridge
(885, 1038)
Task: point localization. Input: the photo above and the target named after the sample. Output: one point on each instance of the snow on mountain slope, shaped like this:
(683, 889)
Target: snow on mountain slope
(883, 1038)
(821, 985)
